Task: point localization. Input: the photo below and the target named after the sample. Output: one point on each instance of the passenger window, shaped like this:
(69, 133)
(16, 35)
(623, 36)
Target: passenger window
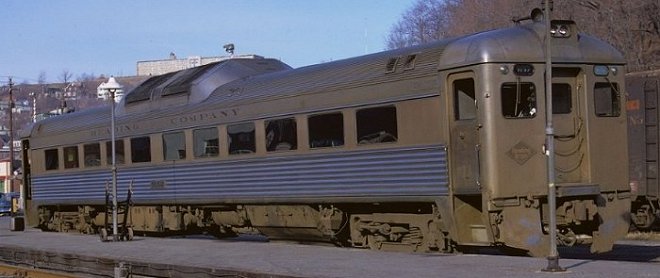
(606, 99)
(281, 135)
(376, 125)
(119, 151)
(71, 157)
(52, 159)
(326, 130)
(205, 142)
(140, 149)
(92, 154)
(561, 98)
(465, 107)
(174, 145)
(241, 138)
(518, 100)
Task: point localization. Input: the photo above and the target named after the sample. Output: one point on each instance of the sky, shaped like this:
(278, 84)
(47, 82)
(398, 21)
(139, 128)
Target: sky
(109, 37)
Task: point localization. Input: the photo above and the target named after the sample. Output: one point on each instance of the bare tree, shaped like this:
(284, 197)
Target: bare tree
(86, 77)
(426, 21)
(633, 27)
(65, 76)
(42, 78)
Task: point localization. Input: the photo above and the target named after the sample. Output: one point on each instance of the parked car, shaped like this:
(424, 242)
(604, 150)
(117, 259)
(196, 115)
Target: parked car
(5, 203)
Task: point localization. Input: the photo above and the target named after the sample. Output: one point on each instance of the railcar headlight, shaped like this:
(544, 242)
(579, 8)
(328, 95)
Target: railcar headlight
(614, 70)
(504, 69)
(560, 31)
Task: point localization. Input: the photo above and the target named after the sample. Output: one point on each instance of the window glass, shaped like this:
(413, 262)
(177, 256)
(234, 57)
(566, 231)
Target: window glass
(71, 157)
(281, 135)
(464, 99)
(606, 99)
(561, 98)
(376, 125)
(119, 152)
(326, 130)
(174, 146)
(241, 138)
(52, 159)
(205, 142)
(92, 153)
(518, 100)
(140, 149)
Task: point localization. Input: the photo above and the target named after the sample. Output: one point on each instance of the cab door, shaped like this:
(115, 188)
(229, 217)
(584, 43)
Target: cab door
(570, 130)
(464, 137)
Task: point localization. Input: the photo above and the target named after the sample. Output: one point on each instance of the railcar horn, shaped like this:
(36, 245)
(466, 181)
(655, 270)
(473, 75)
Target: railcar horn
(536, 15)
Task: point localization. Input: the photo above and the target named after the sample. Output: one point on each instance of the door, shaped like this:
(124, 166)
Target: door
(569, 123)
(464, 142)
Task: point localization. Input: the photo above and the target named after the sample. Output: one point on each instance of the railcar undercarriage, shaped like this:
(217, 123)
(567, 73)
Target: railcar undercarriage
(406, 227)
(397, 227)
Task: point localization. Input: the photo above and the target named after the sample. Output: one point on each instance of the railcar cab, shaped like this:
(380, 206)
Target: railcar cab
(497, 123)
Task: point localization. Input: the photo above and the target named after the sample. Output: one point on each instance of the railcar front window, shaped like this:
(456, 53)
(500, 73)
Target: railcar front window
(326, 130)
(241, 138)
(376, 125)
(140, 149)
(174, 146)
(281, 135)
(52, 159)
(561, 98)
(465, 107)
(92, 154)
(71, 157)
(119, 152)
(518, 100)
(607, 100)
(205, 142)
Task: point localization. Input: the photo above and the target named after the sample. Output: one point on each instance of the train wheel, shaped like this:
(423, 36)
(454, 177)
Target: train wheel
(375, 242)
(643, 218)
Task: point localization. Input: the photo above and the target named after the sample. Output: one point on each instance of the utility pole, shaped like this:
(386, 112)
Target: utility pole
(11, 134)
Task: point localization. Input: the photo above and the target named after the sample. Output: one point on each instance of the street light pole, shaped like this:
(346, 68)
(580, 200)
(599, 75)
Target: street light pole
(111, 87)
(553, 257)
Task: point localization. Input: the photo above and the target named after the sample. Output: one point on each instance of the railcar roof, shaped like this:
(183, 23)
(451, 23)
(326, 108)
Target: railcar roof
(243, 81)
(518, 44)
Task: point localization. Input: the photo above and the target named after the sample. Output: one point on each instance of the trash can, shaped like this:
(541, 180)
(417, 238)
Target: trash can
(17, 223)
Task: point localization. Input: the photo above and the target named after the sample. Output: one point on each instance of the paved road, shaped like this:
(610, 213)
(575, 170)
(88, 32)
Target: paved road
(298, 260)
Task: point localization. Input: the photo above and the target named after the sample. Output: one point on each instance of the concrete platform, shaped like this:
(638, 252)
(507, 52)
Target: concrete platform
(203, 257)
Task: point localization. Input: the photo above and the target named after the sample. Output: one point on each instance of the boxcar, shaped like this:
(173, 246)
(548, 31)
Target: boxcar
(642, 106)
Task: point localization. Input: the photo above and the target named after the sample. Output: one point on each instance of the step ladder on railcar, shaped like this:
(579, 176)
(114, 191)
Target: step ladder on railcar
(124, 227)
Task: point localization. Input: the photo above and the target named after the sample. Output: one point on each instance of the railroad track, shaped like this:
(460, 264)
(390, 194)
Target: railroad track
(10, 271)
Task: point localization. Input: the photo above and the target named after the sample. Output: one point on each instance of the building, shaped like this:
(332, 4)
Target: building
(158, 67)
(5, 178)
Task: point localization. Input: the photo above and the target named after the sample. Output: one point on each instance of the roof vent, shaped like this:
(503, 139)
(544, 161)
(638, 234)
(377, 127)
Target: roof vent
(391, 64)
(409, 63)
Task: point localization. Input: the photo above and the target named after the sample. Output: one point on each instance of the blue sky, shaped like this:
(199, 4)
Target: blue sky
(109, 37)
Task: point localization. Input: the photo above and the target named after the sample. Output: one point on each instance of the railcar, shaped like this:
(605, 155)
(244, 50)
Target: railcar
(642, 106)
(429, 147)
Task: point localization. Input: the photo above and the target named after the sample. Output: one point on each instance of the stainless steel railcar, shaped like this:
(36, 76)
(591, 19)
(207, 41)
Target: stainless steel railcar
(423, 148)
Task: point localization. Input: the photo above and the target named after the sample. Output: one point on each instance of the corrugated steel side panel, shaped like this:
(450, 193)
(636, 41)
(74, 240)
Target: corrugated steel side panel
(414, 172)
